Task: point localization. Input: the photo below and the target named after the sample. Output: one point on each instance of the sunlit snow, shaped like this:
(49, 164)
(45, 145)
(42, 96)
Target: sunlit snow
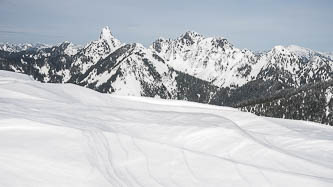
(66, 135)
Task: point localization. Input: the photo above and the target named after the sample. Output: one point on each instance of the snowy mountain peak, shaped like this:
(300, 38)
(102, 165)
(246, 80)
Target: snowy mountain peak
(301, 51)
(65, 44)
(212, 59)
(106, 33)
(279, 49)
(70, 49)
(192, 34)
(96, 50)
(191, 37)
(161, 39)
(18, 47)
(296, 47)
(138, 45)
(297, 51)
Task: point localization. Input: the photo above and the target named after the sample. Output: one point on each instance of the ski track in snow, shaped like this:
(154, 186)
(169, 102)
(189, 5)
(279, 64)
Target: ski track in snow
(66, 135)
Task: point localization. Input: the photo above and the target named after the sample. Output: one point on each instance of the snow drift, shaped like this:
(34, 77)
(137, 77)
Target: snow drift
(66, 135)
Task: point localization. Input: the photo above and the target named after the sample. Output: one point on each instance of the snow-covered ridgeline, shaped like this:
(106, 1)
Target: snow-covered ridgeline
(170, 67)
(216, 60)
(21, 47)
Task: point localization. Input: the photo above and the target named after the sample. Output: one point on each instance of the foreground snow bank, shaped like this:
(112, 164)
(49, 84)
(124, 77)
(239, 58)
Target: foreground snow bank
(66, 135)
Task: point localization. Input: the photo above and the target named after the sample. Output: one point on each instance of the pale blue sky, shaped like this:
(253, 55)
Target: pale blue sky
(252, 24)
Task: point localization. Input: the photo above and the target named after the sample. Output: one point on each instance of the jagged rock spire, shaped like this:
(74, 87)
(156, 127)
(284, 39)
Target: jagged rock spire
(106, 33)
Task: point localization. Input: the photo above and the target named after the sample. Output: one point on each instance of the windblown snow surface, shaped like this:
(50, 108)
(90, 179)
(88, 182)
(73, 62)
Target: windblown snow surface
(66, 135)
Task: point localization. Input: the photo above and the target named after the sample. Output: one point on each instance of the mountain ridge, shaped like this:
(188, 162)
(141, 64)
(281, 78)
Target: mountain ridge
(191, 67)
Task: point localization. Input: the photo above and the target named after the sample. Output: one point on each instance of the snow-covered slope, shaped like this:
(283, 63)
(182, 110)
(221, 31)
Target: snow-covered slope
(66, 135)
(49, 64)
(131, 70)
